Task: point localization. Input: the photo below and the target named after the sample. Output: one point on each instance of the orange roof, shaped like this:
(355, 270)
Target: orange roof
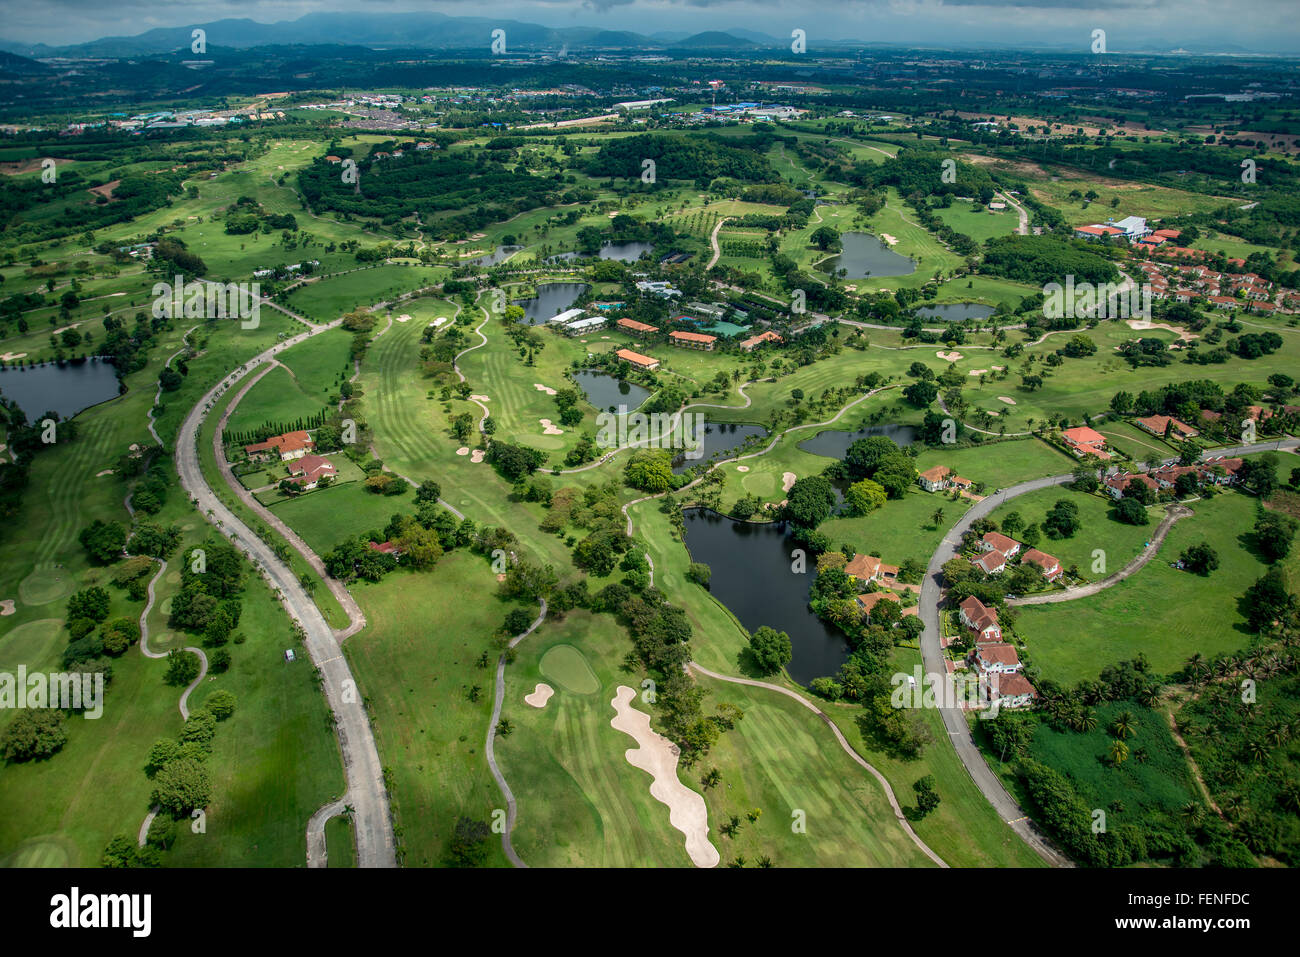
(1082, 435)
(768, 336)
(998, 653)
(871, 599)
(1000, 542)
(1043, 560)
(637, 326)
(936, 474)
(867, 567)
(288, 442)
(692, 337)
(1013, 684)
(636, 358)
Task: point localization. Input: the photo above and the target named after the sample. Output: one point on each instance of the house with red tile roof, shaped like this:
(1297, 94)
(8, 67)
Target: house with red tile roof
(1083, 441)
(310, 469)
(1162, 424)
(637, 359)
(996, 656)
(1117, 483)
(871, 599)
(980, 619)
(992, 562)
(999, 542)
(290, 445)
(1050, 565)
(1009, 690)
(869, 568)
(934, 479)
(1220, 469)
(388, 548)
(753, 342)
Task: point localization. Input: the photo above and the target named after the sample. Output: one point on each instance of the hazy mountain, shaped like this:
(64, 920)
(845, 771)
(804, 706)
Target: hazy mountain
(715, 40)
(15, 65)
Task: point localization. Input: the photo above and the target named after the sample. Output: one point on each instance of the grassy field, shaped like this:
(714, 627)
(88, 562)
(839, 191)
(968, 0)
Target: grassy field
(1161, 612)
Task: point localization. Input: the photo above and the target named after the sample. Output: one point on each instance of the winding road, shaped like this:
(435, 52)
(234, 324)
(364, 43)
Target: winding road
(365, 792)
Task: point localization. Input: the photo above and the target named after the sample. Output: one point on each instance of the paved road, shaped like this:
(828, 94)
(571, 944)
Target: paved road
(713, 241)
(954, 719)
(490, 749)
(1174, 513)
(365, 786)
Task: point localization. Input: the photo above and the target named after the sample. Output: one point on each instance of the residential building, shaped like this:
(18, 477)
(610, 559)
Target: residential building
(868, 601)
(1049, 564)
(566, 317)
(1083, 441)
(645, 362)
(634, 328)
(993, 562)
(310, 469)
(935, 479)
(584, 326)
(1117, 483)
(996, 656)
(693, 340)
(290, 445)
(869, 568)
(996, 541)
(980, 619)
(1163, 425)
(753, 342)
(1008, 689)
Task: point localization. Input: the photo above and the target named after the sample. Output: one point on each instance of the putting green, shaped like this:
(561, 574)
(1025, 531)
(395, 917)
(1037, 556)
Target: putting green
(51, 850)
(762, 484)
(547, 443)
(29, 644)
(45, 584)
(567, 667)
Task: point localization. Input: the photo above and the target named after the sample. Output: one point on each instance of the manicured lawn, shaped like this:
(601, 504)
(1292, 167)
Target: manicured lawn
(1161, 612)
(326, 516)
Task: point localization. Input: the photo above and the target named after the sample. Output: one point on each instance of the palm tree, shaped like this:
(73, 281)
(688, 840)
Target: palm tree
(1123, 726)
(1259, 751)
(1193, 813)
(1118, 753)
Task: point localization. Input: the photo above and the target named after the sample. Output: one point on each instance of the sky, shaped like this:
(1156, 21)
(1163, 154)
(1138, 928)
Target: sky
(1265, 26)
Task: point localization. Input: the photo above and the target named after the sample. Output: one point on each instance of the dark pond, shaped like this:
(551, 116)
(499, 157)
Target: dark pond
(752, 577)
(63, 389)
(604, 391)
(717, 437)
(552, 299)
(835, 442)
(864, 255)
(498, 255)
(955, 311)
(625, 252)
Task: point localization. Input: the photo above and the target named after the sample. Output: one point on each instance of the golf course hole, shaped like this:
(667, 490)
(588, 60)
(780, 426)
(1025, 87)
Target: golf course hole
(45, 584)
(567, 667)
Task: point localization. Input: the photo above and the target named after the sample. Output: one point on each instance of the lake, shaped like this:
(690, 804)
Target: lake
(955, 311)
(835, 442)
(498, 255)
(719, 437)
(603, 390)
(63, 389)
(752, 577)
(624, 252)
(864, 255)
(552, 299)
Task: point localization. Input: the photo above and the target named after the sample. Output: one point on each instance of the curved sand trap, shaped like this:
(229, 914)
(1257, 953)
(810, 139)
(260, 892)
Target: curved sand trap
(541, 694)
(439, 321)
(404, 317)
(7, 606)
(950, 356)
(889, 239)
(742, 468)
(978, 372)
(477, 456)
(999, 368)
(657, 756)
(1007, 399)
(1143, 324)
(463, 450)
(787, 481)
(10, 356)
(543, 388)
(103, 473)
(549, 428)
(480, 398)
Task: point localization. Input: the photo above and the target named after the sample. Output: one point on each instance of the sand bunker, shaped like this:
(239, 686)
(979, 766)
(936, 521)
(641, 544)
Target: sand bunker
(657, 756)
(978, 372)
(889, 239)
(999, 368)
(949, 356)
(404, 318)
(463, 450)
(11, 356)
(548, 428)
(541, 694)
(103, 473)
(1007, 399)
(543, 388)
(439, 321)
(7, 606)
(742, 468)
(479, 398)
(476, 456)
(788, 480)
(1142, 324)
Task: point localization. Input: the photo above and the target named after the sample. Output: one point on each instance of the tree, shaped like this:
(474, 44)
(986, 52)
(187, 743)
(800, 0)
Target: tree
(1130, 512)
(1062, 520)
(936, 517)
(921, 393)
(700, 573)
(1012, 523)
(182, 667)
(221, 703)
(104, 542)
(469, 843)
(810, 501)
(182, 785)
(1200, 558)
(865, 456)
(1273, 534)
(865, 496)
(771, 649)
(927, 799)
(1118, 752)
(650, 470)
(33, 733)
(1122, 727)
(1268, 600)
(428, 491)
(92, 603)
